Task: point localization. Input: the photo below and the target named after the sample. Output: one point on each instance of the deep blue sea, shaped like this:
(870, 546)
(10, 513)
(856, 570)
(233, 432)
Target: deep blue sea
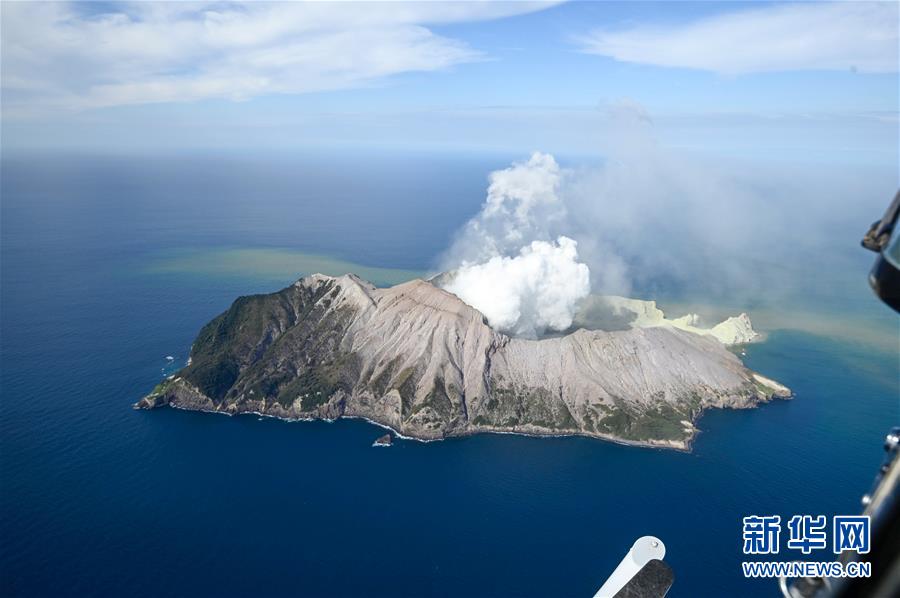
(103, 276)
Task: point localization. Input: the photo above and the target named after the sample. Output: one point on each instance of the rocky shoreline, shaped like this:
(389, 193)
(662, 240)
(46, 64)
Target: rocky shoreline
(150, 402)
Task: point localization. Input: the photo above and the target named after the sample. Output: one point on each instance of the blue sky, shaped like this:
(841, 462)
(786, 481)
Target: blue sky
(748, 78)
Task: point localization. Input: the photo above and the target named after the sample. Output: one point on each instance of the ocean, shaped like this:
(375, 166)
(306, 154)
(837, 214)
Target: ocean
(111, 264)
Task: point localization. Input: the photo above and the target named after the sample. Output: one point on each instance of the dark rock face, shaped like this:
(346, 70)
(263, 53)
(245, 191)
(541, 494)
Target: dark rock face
(417, 359)
(385, 440)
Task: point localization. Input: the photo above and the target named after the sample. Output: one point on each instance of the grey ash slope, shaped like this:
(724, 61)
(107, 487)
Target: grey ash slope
(417, 359)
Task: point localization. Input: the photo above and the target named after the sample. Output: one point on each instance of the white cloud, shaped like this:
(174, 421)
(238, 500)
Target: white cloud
(512, 263)
(521, 201)
(812, 36)
(535, 290)
(529, 202)
(71, 56)
(656, 222)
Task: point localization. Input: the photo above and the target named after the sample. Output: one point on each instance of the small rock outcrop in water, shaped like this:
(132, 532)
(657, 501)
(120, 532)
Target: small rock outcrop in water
(383, 441)
(419, 360)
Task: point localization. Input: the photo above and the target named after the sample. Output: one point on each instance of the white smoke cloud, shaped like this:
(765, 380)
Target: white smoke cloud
(656, 223)
(536, 290)
(508, 261)
(522, 205)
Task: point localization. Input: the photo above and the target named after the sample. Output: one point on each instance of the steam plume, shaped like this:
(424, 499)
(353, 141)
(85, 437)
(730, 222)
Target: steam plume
(536, 290)
(508, 263)
(653, 222)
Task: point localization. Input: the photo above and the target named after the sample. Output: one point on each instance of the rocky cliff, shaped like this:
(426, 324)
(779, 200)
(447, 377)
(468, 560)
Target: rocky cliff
(417, 359)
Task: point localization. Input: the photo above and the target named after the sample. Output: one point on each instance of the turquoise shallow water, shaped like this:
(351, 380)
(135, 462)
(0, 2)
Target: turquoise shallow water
(99, 499)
